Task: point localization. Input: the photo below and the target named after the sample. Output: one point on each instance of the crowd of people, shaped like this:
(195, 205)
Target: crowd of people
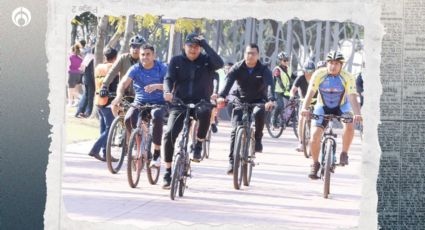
(193, 76)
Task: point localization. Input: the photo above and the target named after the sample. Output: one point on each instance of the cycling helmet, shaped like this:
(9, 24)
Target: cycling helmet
(309, 66)
(137, 40)
(283, 56)
(335, 56)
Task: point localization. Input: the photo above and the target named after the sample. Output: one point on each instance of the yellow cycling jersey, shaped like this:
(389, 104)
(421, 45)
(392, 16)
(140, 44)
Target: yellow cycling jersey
(332, 89)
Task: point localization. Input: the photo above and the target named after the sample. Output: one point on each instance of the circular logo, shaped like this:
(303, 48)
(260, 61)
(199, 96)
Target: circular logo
(21, 16)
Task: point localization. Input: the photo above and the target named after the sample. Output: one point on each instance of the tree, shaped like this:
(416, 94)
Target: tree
(129, 26)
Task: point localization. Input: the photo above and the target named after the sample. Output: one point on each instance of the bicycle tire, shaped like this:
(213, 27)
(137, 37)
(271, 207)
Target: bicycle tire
(175, 179)
(305, 138)
(206, 146)
(273, 132)
(249, 165)
(183, 179)
(327, 167)
(294, 119)
(135, 160)
(152, 171)
(237, 161)
(112, 146)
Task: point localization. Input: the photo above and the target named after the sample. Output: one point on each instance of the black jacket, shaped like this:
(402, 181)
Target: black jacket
(252, 88)
(193, 80)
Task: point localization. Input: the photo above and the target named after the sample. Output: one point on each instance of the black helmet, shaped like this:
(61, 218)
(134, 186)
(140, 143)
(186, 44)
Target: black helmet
(283, 56)
(335, 56)
(137, 40)
(309, 66)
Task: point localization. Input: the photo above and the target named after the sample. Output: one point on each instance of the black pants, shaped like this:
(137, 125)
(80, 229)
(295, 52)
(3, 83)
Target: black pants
(259, 116)
(157, 115)
(281, 101)
(175, 125)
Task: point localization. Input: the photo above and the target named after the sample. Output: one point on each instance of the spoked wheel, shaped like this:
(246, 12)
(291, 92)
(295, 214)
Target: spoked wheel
(327, 168)
(206, 146)
(152, 171)
(305, 139)
(182, 183)
(135, 160)
(175, 180)
(250, 164)
(274, 130)
(294, 121)
(116, 145)
(237, 160)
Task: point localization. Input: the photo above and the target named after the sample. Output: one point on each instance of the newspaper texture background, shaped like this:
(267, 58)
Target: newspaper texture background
(401, 203)
(401, 180)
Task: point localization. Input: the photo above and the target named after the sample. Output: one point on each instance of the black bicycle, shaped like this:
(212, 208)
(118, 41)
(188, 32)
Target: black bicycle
(328, 149)
(181, 164)
(116, 144)
(288, 117)
(140, 148)
(244, 149)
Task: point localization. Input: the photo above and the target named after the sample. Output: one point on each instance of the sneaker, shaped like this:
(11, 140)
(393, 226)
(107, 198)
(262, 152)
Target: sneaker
(343, 159)
(214, 128)
(258, 146)
(156, 162)
(167, 181)
(197, 155)
(230, 168)
(300, 148)
(314, 169)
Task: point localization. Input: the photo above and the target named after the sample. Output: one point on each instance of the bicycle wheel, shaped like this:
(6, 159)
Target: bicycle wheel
(305, 138)
(135, 160)
(294, 119)
(276, 130)
(250, 164)
(175, 180)
(327, 167)
(183, 179)
(115, 145)
(206, 146)
(237, 160)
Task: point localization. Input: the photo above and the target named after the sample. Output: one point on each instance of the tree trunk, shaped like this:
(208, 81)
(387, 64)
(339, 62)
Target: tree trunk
(288, 44)
(100, 41)
(318, 43)
(327, 38)
(129, 25)
(73, 33)
(177, 44)
(335, 36)
(114, 40)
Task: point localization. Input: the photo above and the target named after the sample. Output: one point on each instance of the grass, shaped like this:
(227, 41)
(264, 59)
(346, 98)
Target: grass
(80, 129)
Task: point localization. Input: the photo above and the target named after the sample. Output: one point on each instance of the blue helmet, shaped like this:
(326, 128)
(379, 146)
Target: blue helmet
(309, 66)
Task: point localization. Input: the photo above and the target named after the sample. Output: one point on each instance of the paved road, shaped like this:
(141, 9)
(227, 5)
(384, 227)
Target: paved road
(280, 193)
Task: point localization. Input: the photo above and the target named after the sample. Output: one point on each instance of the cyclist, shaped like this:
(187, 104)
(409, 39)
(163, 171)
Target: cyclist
(105, 113)
(282, 77)
(216, 110)
(254, 85)
(359, 86)
(300, 86)
(190, 78)
(147, 77)
(337, 95)
(123, 63)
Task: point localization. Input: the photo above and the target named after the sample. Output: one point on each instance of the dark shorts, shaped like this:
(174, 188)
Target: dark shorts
(74, 79)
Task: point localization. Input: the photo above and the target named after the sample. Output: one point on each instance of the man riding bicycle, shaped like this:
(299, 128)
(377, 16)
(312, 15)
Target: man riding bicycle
(122, 64)
(254, 85)
(282, 78)
(147, 77)
(301, 86)
(189, 78)
(338, 96)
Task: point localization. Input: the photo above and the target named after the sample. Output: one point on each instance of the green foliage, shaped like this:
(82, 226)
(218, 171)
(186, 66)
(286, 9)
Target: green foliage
(187, 25)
